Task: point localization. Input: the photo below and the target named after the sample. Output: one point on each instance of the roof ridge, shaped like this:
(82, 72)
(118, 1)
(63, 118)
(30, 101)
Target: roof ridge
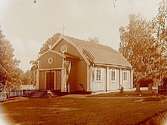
(87, 41)
(101, 52)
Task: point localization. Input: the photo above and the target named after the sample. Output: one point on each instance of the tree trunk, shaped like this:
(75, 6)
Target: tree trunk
(150, 87)
(137, 87)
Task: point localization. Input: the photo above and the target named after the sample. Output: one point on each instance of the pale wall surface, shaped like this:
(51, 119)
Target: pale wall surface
(106, 83)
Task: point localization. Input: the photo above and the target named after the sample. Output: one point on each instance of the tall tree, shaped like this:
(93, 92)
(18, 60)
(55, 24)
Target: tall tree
(160, 26)
(11, 77)
(140, 47)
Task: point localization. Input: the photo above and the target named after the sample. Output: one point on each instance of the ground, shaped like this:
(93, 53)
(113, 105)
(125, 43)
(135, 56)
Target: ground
(83, 110)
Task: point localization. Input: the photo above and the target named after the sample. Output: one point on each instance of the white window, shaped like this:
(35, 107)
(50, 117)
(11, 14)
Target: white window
(98, 74)
(125, 75)
(113, 75)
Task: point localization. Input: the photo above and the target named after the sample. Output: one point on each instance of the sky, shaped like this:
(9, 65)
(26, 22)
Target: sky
(28, 25)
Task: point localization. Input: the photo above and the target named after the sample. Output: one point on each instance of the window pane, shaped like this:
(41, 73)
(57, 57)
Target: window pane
(125, 77)
(98, 74)
(113, 75)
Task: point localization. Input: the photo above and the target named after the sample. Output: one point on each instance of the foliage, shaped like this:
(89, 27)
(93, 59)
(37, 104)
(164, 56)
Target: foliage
(140, 47)
(11, 77)
(34, 65)
(49, 43)
(26, 77)
(159, 24)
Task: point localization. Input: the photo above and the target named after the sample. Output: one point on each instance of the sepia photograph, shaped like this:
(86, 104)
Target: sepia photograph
(83, 62)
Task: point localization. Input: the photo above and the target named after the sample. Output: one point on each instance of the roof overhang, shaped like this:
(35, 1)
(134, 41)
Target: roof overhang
(52, 51)
(112, 66)
(71, 43)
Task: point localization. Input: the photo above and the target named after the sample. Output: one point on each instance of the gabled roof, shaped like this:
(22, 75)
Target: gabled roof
(52, 51)
(97, 53)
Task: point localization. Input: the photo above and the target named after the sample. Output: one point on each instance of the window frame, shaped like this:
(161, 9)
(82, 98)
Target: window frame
(98, 74)
(125, 73)
(113, 71)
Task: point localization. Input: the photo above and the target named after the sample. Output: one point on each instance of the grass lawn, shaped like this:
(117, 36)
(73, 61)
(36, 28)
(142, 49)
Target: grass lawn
(82, 111)
(143, 93)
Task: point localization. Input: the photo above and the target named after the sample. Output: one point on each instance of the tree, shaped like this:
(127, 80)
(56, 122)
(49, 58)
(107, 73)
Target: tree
(159, 24)
(33, 71)
(49, 43)
(26, 77)
(140, 47)
(11, 77)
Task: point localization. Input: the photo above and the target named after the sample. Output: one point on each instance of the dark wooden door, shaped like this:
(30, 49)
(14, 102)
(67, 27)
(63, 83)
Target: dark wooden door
(50, 80)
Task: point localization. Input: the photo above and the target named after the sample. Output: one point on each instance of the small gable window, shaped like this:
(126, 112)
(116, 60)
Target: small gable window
(98, 74)
(50, 60)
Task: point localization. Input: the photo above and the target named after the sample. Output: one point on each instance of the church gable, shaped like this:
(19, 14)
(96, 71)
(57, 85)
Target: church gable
(64, 47)
(50, 60)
